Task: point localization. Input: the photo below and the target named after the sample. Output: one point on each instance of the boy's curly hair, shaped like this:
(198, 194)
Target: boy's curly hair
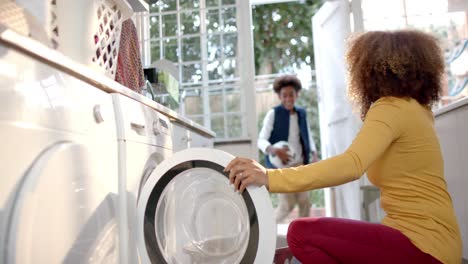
(404, 63)
(286, 80)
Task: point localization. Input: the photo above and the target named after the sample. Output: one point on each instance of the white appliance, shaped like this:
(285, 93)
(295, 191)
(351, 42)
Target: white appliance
(83, 171)
(180, 207)
(189, 213)
(144, 140)
(58, 184)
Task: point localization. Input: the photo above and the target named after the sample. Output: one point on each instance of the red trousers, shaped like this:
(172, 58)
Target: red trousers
(333, 240)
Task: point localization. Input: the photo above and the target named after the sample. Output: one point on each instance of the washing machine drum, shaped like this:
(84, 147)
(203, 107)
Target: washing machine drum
(189, 213)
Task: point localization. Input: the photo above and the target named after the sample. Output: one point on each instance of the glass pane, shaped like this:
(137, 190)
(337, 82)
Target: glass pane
(169, 24)
(234, 122)
(425, 7)
(230, 68)
(229, 2)
(211, 3)
(167, 5)
(154, 8)
(229, 19)
(196, 119)
(171, 50)
(233, 101)
(188, 206)
(193, 105)
(214, 47)
(192, 73)
(385, 24)
(191, 88)
(230, 45)
(385, 9)
(428, 22)
(190, 22)
(217, 125)
(212, 21)
(155, 51)
(154, 27)
(216, 100)
(189, 4)
(191, 49)
(215, 72)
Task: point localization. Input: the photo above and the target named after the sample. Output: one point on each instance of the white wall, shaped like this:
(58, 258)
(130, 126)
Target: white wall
(452, 128)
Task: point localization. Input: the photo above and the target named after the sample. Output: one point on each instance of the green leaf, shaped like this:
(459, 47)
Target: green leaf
(272, 38)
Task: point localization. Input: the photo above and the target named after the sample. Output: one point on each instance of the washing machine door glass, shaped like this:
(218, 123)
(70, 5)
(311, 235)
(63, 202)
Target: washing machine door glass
(202, 220)
(188, 212)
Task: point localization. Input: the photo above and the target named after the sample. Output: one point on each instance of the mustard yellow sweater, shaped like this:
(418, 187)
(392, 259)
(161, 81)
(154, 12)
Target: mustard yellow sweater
(400, 151)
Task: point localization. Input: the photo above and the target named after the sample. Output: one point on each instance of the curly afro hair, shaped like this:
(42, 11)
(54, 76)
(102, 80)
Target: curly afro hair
(285, 81)
(404, 63)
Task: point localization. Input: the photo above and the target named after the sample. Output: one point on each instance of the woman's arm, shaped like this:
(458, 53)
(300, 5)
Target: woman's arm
(379, 130)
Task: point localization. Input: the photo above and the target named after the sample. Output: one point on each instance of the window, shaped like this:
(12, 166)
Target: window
(201, 38)
(443, 18)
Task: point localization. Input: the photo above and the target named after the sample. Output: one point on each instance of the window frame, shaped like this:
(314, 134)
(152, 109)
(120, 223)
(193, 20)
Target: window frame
(242, 63)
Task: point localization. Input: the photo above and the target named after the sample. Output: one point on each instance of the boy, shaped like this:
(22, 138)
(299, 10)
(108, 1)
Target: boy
(287, 122)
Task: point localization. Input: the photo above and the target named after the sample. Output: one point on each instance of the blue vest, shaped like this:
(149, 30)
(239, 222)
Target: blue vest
(280, 131)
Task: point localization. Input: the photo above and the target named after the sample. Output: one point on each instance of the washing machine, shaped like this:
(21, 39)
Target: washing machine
(58, 162)
(180, 206)
(188, 212)
(144, 141)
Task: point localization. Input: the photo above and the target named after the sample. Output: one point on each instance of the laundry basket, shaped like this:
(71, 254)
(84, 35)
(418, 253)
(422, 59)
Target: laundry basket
(87, 31)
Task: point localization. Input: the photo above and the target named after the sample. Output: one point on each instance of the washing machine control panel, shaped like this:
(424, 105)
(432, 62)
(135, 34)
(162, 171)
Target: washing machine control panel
(142, 123)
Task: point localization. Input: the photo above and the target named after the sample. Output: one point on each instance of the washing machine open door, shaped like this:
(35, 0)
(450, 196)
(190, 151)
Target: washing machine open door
(189, 213)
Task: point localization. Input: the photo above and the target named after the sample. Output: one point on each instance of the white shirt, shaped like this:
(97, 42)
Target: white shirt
(294, 138)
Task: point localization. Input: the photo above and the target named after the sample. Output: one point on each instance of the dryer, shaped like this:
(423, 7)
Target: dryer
(181, 207)
(59, 185)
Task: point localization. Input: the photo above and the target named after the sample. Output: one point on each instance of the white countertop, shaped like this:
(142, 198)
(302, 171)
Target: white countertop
(37, 50)
(450, 107)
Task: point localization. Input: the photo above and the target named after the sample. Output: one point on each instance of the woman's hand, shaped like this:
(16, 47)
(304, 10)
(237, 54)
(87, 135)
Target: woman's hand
(244, 172)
